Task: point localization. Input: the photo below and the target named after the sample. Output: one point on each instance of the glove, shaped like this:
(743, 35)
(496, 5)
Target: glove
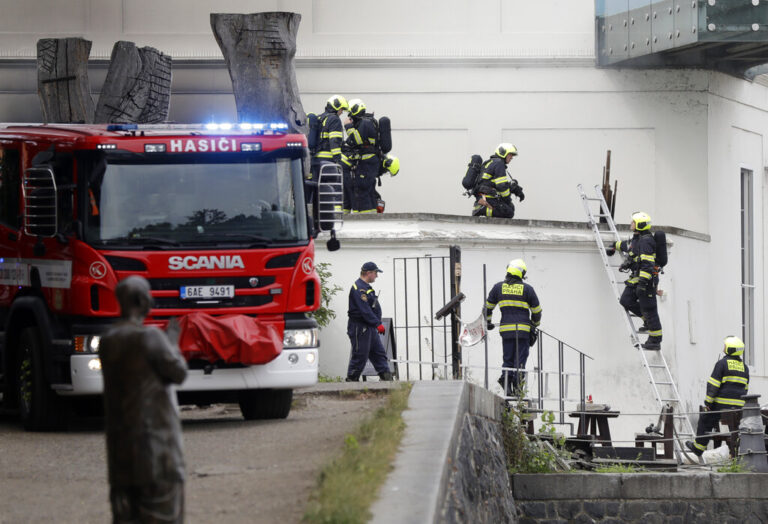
(490, 325)
(521, 195)
(610, 251)
(708, 406)
(381, 329)
(533, 336)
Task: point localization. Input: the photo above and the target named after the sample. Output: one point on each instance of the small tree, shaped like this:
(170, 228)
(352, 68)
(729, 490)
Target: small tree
(324, 313)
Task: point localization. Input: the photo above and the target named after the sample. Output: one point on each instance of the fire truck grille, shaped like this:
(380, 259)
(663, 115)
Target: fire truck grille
(238, 301)
(168, 284)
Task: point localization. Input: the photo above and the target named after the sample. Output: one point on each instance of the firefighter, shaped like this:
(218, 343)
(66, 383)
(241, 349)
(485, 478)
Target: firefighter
(331, 137)
(639, 296)
(360, 158)
(364, 326)
(520, 314)
(495, 187)
(729, 381)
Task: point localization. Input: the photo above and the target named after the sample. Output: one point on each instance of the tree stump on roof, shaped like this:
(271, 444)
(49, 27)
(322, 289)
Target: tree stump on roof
(259, 49)
(137, 88)
(62, 80)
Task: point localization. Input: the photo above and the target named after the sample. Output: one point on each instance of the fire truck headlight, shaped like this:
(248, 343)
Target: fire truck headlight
(94, 364)
(311, 358)
(87, 343)
(300, 338)
(93, 343)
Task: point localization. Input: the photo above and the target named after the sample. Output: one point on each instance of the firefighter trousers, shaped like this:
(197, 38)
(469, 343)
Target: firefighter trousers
(708, 421)
(643, 304)
(501, 209)
(516, 346)
(366, 344)
(363, 184)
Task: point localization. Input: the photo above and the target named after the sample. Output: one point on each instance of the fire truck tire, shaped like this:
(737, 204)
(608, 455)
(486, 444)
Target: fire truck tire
(260, 404)
(39, 407)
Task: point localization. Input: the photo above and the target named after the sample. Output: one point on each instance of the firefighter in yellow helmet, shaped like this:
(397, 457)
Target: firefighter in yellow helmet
(495, 187)
(639, 296)
(728, 382)
(520, 315)
(329, 141)
(360, 160)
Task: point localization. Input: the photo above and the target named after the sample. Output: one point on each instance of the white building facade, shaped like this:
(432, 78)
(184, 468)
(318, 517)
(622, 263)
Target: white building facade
(456, 78)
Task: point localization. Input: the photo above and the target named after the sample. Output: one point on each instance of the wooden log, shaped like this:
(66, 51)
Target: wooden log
(137, 88)
(259, 49)
(62, 80)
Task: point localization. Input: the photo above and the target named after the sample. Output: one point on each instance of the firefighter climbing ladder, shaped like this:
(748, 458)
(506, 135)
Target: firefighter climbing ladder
(664, 388)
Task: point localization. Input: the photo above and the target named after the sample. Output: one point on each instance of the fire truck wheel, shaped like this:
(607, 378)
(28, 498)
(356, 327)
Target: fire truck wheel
(39, 407)
(259, 404)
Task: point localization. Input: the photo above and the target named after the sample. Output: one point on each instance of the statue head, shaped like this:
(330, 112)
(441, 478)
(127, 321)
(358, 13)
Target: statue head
(133, 295)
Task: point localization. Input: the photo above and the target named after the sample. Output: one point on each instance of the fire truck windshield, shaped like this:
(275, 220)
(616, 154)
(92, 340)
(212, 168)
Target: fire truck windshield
(167, 200)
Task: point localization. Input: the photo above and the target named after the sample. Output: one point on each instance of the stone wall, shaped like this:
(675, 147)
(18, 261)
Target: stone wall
(642, 497)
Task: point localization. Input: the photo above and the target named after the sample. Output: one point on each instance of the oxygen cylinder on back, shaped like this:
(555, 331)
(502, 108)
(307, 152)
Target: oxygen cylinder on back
(661, 248)
(385, 135)
(313, 137)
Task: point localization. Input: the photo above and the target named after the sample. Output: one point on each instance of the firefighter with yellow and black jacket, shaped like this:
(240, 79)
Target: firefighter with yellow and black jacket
(729, 381)
(330, 139)
(639, 296)
(360, 159)
(520, 315)
(495, 187)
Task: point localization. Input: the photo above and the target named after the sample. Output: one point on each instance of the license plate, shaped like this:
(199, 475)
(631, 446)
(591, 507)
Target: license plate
(206, 292)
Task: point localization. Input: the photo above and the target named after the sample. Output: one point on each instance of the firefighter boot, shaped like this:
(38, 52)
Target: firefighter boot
(386, 376)
(693, 449)
(653, 344)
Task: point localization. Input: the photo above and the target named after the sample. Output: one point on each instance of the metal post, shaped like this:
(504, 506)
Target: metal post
(540, 364)
(582, 390)
(455, 274)
(445, 321)
(407, 330)
(418, 311)
(394, 308)
(485, 294)
(431, 310)
(560, 381)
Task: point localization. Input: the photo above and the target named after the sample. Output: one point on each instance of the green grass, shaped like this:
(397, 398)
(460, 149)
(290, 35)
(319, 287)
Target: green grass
(734, 465)
(328, 378)
(348, 486)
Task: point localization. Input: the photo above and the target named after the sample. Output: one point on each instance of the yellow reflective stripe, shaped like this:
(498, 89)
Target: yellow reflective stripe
(336, 151)
(708, 399)
(652, 258)
(514, 327)
(356, 135)
(363, 211)
(699, 446)
(656, 333)
(489, 305)
(645, 275)
(488, 212)
(504, 193)
(617, 245)
(369, 291)
(514, 303)
(324, 154)
(354, 286)
(486, 176)
(729, 401)
(536, 309)
(632, 280)
(367, 156)
(499, 180)
(335, 134)
(372, 141)
(738, 380)
(714, 382)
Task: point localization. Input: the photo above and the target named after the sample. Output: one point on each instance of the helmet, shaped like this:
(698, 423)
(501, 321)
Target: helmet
(517, 268)
(641, 220)
(734, 346)
(337, 102)
(505, 149)
(392, 164)
(356, 107)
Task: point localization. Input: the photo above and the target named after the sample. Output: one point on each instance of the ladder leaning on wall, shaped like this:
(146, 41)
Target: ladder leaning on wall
(661, 379)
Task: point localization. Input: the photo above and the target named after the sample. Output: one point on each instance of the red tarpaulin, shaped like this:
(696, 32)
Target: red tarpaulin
(231, 338)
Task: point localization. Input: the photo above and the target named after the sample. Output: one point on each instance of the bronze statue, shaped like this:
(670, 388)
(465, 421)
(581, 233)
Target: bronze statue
(144, 450)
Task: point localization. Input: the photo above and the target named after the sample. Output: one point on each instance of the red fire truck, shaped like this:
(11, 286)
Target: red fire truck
(213, 216)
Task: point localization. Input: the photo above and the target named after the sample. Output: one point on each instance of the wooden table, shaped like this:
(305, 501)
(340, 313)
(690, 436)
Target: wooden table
(594, 421)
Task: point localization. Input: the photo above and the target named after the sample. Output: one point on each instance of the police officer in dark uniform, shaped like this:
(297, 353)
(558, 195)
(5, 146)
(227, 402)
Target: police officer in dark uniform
(360, 158)
(331, 137)
(639, 296)
(520, 314)
(364, 326)
(495, 186)
(729, 381)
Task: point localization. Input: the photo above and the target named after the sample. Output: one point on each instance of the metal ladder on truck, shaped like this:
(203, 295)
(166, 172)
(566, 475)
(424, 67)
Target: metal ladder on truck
(663, 384)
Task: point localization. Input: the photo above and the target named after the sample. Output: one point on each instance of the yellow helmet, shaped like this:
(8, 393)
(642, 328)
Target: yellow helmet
(505, 149)
(734, 346)
(392, 164)
(356, 107)
(337, 102)
(517, 268)
(641, 220)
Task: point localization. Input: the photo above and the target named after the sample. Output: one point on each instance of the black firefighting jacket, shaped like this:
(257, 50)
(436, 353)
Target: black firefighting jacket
(364, 306)
(361, 143)
(519, 305)
(729, 381)
(494, 182)
(331, 137)
(641, 253)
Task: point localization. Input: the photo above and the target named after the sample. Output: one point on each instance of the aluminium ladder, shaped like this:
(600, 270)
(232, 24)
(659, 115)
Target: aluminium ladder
(661, 379)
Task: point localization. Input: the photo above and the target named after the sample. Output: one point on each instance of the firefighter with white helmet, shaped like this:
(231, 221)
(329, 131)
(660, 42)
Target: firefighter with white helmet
(520, 315)
(495, 187)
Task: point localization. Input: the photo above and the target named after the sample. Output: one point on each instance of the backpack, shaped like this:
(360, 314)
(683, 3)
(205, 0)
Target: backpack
(661, 248)
(474, 172)
(313, 136)
(385, 135)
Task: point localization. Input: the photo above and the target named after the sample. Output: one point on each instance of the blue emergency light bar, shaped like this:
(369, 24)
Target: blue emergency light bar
(253, 128)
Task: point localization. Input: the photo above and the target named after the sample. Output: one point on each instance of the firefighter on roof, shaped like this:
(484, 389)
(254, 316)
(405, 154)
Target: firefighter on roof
(639, 296)
(360, 158)
(729, 381)
(331, 136)
(364, 326)
(520, 315)
(495, 186)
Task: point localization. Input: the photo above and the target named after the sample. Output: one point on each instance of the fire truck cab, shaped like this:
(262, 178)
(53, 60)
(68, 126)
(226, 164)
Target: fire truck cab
(214, 217)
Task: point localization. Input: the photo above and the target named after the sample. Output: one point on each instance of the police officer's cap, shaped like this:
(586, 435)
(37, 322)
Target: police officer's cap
(370, 266)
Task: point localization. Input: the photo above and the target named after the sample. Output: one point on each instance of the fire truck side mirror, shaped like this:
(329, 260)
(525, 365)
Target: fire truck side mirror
(330, 198)
(40, 202)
